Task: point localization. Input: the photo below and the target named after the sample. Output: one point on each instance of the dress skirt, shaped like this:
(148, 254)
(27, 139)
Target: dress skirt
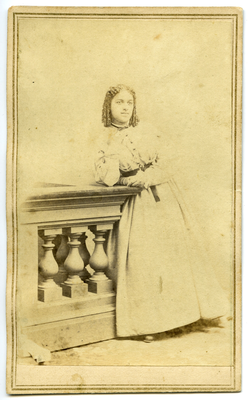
(160, 266)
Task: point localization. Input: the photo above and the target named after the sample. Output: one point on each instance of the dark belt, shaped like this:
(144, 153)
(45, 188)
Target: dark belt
(153, 188)
(126, 174)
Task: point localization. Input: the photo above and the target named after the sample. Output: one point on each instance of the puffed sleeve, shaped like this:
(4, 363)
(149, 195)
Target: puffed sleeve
(106, 168)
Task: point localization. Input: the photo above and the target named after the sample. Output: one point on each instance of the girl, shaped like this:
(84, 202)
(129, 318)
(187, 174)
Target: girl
(157, 261)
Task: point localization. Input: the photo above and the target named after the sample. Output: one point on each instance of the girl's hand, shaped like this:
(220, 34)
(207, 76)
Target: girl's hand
(137, 183)
(137, 180)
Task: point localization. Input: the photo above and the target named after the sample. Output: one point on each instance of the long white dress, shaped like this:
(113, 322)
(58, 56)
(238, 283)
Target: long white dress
(157, 257)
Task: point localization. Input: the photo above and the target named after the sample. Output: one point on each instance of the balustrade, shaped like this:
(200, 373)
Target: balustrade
(68, 306)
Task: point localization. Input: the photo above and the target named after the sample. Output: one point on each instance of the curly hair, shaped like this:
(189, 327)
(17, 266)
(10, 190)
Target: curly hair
(106, 109)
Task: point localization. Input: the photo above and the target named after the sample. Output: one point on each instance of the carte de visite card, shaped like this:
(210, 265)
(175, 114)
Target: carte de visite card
(124, 200)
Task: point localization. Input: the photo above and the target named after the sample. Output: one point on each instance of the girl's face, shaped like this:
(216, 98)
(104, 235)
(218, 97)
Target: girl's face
(122, 107)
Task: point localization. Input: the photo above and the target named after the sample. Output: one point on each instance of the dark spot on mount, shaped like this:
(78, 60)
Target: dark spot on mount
(157, 36)
(160, 284)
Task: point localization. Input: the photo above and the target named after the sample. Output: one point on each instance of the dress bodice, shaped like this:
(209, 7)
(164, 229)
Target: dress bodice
(133, 153)
(123, 151)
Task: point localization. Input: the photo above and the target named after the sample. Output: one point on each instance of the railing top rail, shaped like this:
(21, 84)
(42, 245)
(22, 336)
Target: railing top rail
(71, 191)
(62, 197)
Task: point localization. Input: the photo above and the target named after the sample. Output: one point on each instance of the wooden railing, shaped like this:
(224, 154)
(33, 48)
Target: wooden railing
(62, 303)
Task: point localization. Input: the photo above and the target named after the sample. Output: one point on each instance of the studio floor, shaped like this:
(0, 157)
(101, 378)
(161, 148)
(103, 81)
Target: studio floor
(201, 343)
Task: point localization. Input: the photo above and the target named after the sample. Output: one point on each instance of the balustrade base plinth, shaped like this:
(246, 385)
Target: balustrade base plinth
(76, 290)
(100, 287)
(49, 294)
(73, 332)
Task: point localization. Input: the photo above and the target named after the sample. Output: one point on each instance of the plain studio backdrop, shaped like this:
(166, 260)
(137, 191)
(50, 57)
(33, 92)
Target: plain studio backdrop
(181, 70)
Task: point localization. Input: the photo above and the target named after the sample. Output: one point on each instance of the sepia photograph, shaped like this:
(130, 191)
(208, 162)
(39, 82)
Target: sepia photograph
(124, 199)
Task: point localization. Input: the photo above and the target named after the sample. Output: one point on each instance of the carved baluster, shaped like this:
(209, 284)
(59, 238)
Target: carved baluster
(48, 268)
(61, 256)
(99, 282)
(74, 265)
(85, 255)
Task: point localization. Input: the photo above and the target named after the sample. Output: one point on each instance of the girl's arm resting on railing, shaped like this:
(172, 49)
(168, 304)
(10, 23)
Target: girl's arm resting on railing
(155, 175)
(152, 176)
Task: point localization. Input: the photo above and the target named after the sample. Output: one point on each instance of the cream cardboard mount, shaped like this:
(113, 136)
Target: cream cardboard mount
(185, 66)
